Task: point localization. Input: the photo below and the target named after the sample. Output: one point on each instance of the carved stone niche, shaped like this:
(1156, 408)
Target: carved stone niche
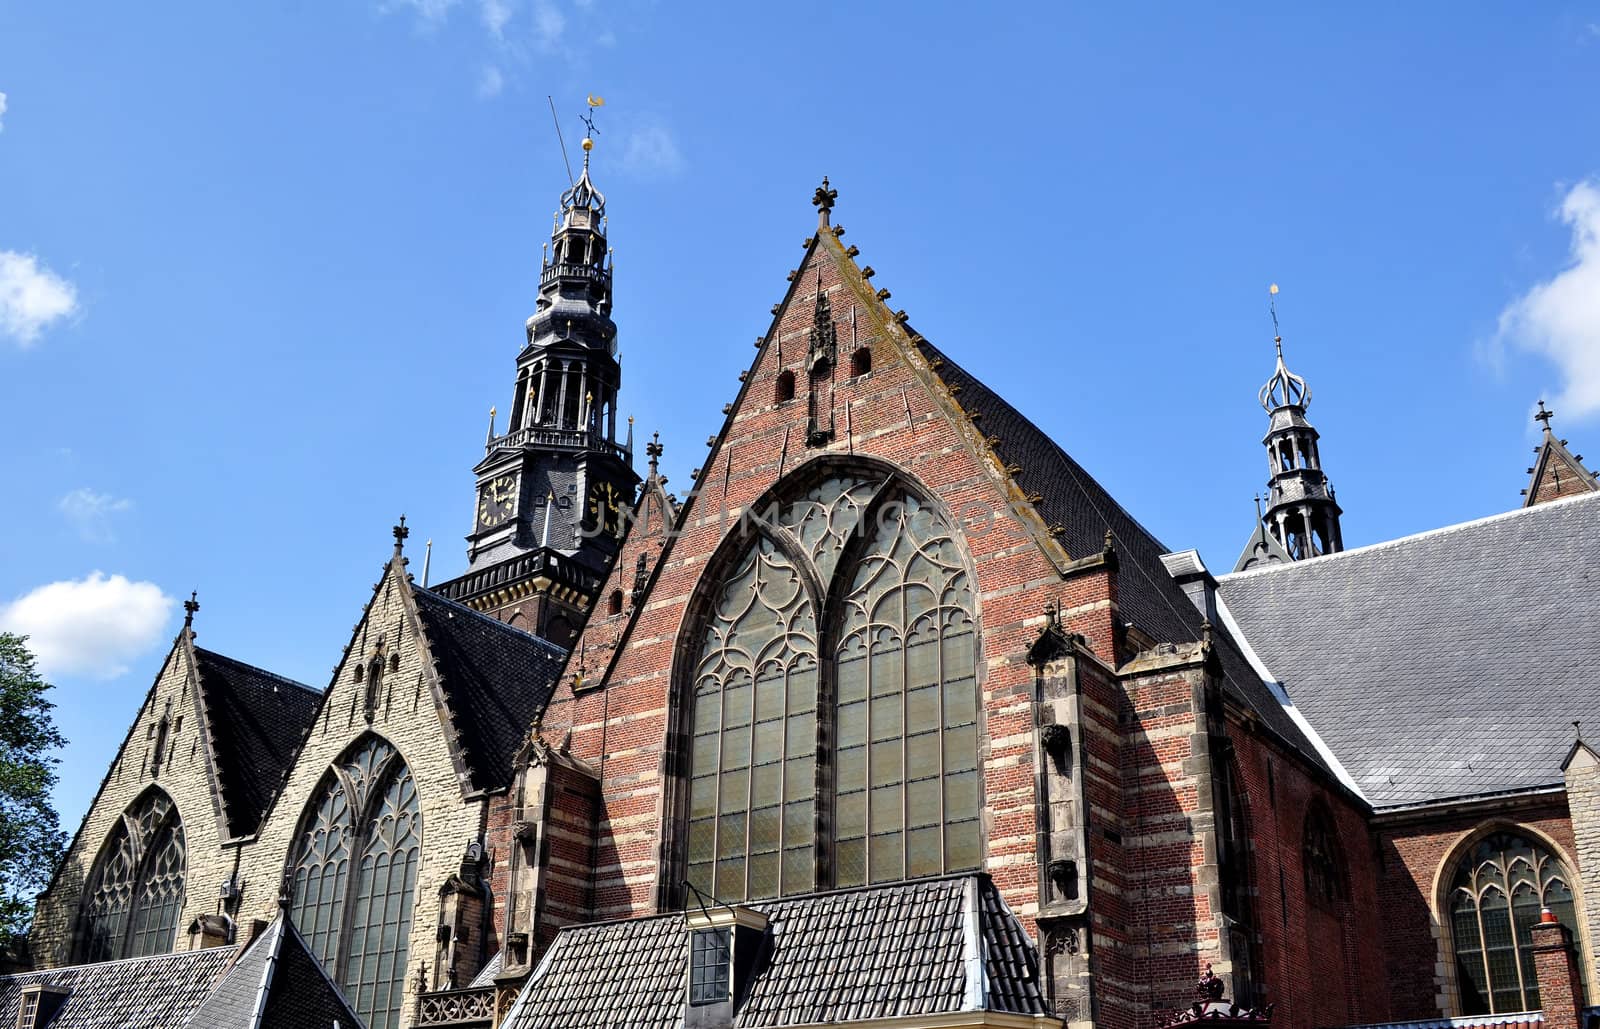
(1066, 969)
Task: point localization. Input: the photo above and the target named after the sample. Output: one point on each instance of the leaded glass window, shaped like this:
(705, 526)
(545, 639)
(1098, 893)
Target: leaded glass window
(899, 784)
(354, 877)
(907, 716)
(1499, 888)
(135, 893)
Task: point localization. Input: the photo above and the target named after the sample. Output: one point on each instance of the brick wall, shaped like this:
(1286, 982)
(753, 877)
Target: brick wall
(1322, 962)
(1412, 856)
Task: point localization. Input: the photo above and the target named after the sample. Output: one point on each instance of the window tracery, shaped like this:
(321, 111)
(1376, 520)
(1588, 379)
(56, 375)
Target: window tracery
(135, 896)
(353, 877)
(881, 686)
(1496, 895)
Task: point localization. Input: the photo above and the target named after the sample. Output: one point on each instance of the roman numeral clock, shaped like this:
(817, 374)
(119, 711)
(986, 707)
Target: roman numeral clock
(497, 501)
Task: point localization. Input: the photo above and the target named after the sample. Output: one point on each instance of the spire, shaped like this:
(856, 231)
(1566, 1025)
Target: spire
(1301, 519)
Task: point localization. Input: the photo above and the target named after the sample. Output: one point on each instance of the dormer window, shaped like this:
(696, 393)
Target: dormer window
(39, 1004)
(710, 953)
(725, 944)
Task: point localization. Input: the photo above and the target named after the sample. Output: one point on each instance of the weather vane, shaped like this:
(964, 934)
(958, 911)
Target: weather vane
(1272, 306)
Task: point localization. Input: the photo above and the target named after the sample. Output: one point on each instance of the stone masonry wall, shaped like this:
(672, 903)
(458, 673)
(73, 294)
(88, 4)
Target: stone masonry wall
(183, 776)
(409, 719)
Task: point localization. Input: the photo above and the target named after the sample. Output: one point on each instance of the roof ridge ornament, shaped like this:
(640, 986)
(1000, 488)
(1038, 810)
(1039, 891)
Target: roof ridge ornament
(1284, 389)
(1544, 416)
(823, 201)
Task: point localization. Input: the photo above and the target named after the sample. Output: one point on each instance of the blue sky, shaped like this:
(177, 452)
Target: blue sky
(263, 268)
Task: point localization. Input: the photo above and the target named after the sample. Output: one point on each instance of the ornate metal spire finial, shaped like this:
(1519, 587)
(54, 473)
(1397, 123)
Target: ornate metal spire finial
(190, 606)
(583, 194)
(1544, 416)
(823, 201)
(1284, 389)
(400, 534)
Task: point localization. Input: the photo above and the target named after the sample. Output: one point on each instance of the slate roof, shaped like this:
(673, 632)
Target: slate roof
(257, 721)
(1448, 664)
(927, 946)
(496, 680)
(139, 993)
(299, 994)
(1147, 596)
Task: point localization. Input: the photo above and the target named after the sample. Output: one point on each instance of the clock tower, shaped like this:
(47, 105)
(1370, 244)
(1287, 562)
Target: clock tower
(553, 488)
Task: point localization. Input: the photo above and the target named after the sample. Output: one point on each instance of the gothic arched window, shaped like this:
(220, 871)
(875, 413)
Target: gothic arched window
(135, 892)
(879, 683)
(1499, 886)
(1319, 857)
(354, 877)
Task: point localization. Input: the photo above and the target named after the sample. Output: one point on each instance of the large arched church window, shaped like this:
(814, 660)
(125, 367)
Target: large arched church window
(1496, 893)
(354, 875)
(834, 709)
(135, 891)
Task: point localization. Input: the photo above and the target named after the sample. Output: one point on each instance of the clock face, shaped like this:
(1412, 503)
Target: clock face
(497, 501)
(605, 509)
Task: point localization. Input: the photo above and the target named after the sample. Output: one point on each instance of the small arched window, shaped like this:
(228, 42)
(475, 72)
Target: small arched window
(785, 389)
(861, 361)
(1497, 890)
(1320, 857)
(614, 603)
(353, 873)
(135, 892)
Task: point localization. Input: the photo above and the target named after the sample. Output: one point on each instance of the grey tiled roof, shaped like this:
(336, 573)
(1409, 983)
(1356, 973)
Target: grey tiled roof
(911, 948)
(258, 721)
(299, 994)
(139, 993)
(1071, 498)
(495, 678)
(1448, 664)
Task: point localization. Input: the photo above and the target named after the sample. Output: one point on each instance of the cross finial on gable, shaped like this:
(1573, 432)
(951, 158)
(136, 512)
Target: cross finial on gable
(1544, 415)
(653, 449)
(400, 534)
(823, 200)
(190, 606)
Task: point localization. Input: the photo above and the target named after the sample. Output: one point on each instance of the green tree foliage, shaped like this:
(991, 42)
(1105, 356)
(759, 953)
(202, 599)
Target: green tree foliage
(31, 840)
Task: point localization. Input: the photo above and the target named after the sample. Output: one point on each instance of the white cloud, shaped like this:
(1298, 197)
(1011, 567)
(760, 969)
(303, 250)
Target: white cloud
(548, 25)
(490, 82)
(1559, 319)
(92, 513)
(31, 297)
(495, 15)
(2, 112)
(651, 150)
(89, 627)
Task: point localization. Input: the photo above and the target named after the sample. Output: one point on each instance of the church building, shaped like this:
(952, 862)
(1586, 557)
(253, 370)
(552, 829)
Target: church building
(896, 719)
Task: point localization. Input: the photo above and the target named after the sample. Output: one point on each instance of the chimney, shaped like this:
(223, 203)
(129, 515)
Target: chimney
(724, 945)
(1556, 967)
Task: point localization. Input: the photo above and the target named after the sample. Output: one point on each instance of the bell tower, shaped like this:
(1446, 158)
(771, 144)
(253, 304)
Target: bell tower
(553, 486)
(1302, 516)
